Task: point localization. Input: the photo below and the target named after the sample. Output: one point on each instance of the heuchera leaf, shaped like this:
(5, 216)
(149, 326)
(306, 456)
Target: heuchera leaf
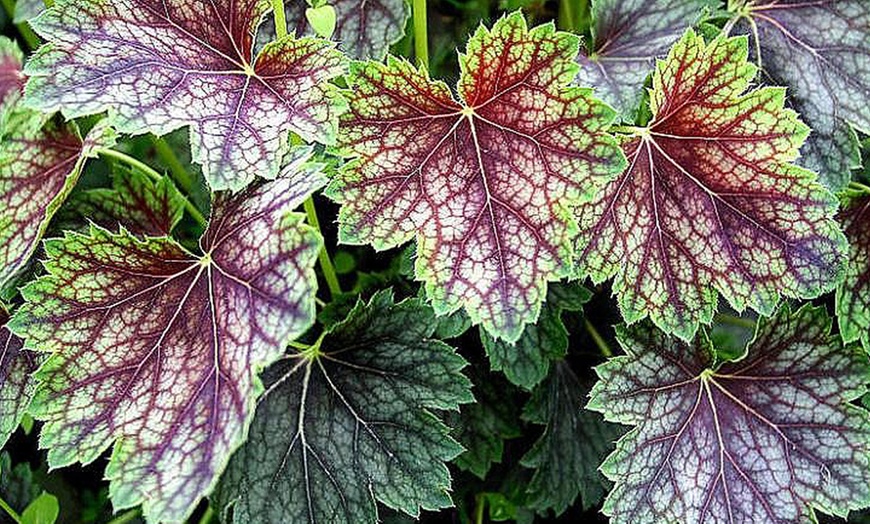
(853, 295)
(11, 77)
(566, 457)
(627, 37)
(767, 438)
(164, 65)
(487, 183)
(39, 165)
(363, 29)
(156, 350)
(16, 386)
(710, 200)
(821, 51)
(527, 362)
(27, 10)
(139, 204)
(351, 422)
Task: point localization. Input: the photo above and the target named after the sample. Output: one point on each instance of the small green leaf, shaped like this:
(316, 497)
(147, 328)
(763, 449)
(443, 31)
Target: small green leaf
(43, 510)
(322, 20)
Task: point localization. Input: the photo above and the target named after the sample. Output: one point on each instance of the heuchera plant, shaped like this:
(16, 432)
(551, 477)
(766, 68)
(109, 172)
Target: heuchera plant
(668, 194)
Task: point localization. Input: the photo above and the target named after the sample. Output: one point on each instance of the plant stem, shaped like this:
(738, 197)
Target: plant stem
(598, 339)
(11, 512)
(207, 516)
(125, 517)
(479, 506)
(421, 33)
(30, 38)
(154, 175)
(325, 262)
(280, 18)
(858, 186)
(179, 174)
(725, 318)
(567, 17)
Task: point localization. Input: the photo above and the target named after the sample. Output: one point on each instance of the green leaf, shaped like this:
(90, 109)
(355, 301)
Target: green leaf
(770, 437)
(351, 421)
(527, 362)
(853, 295)
(574, 443)
(43, 510)
(17, 485)
(322, 20)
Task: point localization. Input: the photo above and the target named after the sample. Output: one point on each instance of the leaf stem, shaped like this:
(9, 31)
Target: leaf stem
(207, 516)
(179, 174)
(479, 506)
(11, 512)
(421, 33)
(725, 318)
(154, 175)
(598, 339)
(280, 18)
(126, 517)
(30, 38)
(325, 262)
(567, 16)
(858, 186)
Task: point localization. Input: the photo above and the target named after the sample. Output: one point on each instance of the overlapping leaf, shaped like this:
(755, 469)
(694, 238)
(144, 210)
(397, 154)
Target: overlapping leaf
(16, 386)
(485, 184)
(527, 362)
(139, 204)
(627, 37)
(27, 10)
(763, 439)
(364, 29)
(164, 65)
(350, 421)
(853, 295)
(821, 50)
(156, 350)
(39, 165)
(574, 443)
(710, 200)
(11, 77)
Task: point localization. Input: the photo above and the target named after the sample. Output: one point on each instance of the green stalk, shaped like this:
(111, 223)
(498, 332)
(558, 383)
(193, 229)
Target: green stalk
(598, 339)
(30, 38)
(479, 507)
(567, 16)
(858, 186)
(154, 175)
(421, 33)
(280, 18)
(126, 517)
(179, 174)
(11, 512)
(207, 516)
(325, 262)
(724, 318)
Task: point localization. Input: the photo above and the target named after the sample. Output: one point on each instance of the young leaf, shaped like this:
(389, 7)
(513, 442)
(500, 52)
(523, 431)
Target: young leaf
(137, 203)
(486, 184)
(43, 510)
(167, 369)
(627, 37)
(162, 66)
(39, 165)
(767, 438)
(16, 386)
(711, 201)
(363, 29)
(17, 485)
(527, 362)
(853, 295)
(567, 455)
(350, 422)
(821, 51)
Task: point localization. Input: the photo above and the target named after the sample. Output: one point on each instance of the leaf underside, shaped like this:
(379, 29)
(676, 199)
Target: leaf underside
(353, 424)
(711, 201)
(484, 184)
(767, 438)
(164, 65)
(156, 350)
(853, 295)
(627, 38)
(821, 51)
(362, 29)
